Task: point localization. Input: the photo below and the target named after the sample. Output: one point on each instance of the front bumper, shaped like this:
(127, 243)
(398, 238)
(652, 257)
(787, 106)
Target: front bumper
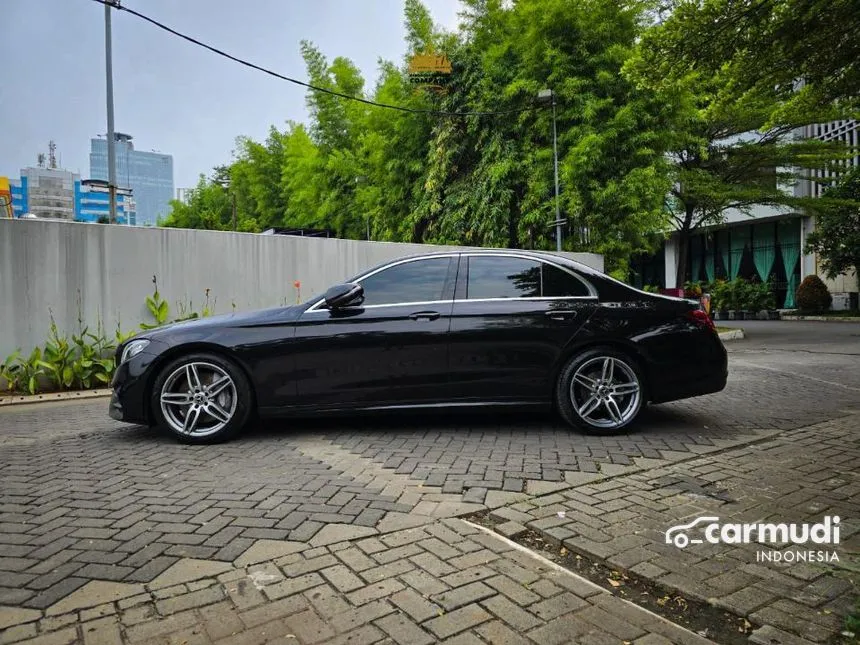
(130, 399)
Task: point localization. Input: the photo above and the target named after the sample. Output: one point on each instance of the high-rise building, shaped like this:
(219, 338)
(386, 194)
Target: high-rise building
(53, 193)
(149, 175)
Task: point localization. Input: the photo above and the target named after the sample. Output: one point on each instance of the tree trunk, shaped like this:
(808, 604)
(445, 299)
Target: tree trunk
(684, 248)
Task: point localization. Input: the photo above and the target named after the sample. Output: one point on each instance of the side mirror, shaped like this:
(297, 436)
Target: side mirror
(344, 295)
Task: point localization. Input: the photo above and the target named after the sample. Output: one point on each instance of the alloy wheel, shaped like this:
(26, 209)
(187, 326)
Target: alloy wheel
(605, 392)
(198, 399)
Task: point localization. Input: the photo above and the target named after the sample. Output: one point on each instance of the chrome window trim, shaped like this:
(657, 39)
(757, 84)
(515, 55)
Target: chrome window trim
(591, 290)
(394, 263)
(315, 308)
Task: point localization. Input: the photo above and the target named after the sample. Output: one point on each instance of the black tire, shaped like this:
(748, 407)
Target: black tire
(629, 408)
(240, 398)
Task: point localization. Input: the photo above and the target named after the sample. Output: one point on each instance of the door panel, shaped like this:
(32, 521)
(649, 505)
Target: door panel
(504, 346)
(384, 352)
(372, 356)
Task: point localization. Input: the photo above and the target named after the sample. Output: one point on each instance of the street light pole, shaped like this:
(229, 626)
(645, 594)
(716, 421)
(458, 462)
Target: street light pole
(555, 163)
(544, 95)
(110, 133)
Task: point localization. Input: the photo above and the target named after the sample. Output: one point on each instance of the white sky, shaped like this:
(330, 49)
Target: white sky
(168, 94)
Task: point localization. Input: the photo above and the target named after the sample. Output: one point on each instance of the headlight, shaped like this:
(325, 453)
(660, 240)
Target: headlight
(133, 348)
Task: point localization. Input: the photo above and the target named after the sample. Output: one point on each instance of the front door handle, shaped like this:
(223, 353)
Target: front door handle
(425, 315)
(561, 315)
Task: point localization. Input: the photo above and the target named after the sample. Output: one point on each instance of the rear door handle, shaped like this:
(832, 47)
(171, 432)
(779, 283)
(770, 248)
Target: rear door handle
(561, 315)
(425, 315)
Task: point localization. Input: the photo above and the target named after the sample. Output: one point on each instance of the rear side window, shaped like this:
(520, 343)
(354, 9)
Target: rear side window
(561, 284)
(504, 277)
(498, 277)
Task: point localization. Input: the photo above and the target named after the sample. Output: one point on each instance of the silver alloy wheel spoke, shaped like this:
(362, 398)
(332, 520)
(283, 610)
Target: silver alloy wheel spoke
(177, 398)
(589, 406)
(217, 412)
(193, 376)
(191, 419)
(216, 387)
(614, 411)
(589, 383)
(623, 389)
(608, 370)
(198, 399)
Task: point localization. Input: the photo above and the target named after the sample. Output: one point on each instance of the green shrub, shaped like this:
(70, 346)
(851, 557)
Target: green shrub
(812, 295)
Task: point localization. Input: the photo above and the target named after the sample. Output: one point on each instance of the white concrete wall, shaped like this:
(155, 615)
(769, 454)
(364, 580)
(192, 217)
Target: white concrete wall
(106, 272)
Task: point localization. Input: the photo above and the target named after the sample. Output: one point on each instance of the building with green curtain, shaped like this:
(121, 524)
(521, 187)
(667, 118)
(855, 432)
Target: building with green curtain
(767, 244)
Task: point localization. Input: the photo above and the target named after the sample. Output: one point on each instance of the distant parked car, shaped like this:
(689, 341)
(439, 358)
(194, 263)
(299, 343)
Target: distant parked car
(459, 329)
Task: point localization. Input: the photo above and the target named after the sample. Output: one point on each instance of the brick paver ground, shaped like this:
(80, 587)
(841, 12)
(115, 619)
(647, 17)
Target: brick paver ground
(445, 581)
(800, 476)
(89, 506)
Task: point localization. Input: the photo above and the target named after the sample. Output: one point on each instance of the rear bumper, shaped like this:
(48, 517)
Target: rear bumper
(704, 371)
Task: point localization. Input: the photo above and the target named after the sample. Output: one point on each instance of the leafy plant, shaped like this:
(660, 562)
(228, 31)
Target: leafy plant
(158, 308)
(23, 374)
(650, 288)
(57, 359)
(719, 290)
(812, 295)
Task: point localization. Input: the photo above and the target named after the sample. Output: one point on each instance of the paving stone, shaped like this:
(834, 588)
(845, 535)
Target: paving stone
(511, 613)
(358, 616)
(457, 621)
(292, 586)
(188, 569)
(342, 578)
(403, 630)
(499, 633)
(264, 550)
(11, 616)
(190, 600)
(460, 596)
(270, 611)
(374, 591)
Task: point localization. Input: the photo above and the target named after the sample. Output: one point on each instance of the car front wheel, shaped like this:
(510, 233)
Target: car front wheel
(202, 398)
(600, 391)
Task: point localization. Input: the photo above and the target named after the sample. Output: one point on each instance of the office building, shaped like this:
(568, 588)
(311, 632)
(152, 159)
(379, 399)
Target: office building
(149, 175)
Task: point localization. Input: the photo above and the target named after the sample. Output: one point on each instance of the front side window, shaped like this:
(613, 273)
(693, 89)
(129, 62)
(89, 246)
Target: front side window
(508, 277)
(417, 281)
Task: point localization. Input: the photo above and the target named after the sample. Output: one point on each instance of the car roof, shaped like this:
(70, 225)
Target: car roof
(537, 255)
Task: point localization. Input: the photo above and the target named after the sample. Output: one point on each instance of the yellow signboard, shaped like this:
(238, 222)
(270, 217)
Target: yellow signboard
(430, 64)
(5, 198)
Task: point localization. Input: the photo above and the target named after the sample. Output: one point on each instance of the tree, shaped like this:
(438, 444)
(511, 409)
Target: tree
(837, 230)
(808, 50)
(734, 144)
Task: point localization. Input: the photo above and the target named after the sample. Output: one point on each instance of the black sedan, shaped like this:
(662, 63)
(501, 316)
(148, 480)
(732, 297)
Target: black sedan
(458, 329)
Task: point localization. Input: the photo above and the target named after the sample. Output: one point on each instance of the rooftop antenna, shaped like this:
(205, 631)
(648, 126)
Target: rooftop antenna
(40, 159)
(52, 155)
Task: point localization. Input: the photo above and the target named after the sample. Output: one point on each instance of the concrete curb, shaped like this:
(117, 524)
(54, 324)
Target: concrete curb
(735, 334)
(824, 318)
(24, 399)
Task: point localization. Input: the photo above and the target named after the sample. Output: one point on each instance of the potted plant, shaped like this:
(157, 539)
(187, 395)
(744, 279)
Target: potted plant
(736, 295)
(719, 299)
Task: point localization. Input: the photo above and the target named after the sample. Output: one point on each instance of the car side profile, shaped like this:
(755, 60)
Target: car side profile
(483, 328)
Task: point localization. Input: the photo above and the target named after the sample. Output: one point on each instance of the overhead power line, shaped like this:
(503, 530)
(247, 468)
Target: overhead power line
(296, 81)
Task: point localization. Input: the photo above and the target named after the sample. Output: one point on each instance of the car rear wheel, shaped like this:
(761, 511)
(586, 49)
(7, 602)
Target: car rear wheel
(600, 391)
(202, 398)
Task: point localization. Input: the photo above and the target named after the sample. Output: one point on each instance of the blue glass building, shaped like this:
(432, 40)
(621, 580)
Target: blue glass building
(149, 175)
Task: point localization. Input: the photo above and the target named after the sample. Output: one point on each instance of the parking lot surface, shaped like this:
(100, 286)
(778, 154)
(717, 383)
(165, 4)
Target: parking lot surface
(123, 529)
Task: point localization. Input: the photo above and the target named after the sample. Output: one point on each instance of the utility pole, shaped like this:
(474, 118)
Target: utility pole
(109, 4)
(233, 193)
(545, 95)
(555, 163)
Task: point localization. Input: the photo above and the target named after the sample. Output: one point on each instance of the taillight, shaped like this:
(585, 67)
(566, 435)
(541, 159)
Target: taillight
(701, 319)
